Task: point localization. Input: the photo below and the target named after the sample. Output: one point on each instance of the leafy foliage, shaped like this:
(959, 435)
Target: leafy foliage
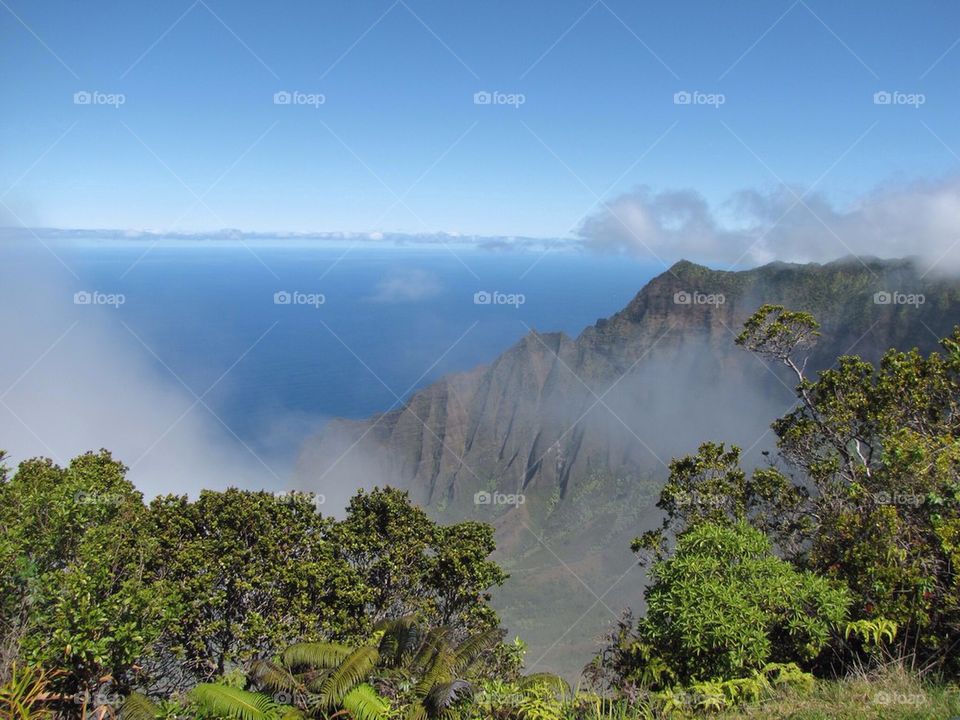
(722, 607)
(413, 566)
(257, 571)
(229, 702)
(879, 445)
(84, 567)
(112, 595)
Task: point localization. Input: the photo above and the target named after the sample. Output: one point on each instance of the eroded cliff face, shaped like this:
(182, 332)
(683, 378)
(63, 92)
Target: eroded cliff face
(583, 429)
(651, 381)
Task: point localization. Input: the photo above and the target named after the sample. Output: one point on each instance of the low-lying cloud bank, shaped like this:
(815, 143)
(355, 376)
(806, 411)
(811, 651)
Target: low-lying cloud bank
(787, 223)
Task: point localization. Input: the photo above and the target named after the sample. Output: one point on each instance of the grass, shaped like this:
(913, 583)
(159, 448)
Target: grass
(893, 694)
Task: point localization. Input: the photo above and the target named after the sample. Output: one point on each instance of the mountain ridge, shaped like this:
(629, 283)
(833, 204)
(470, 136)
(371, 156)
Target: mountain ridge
(583, 428)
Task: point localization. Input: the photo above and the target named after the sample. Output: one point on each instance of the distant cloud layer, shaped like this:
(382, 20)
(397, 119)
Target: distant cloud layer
(755, 227)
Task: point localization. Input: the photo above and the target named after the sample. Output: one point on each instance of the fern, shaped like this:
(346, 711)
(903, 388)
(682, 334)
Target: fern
(234, 703)
(446, 695)
(354, 669)
(400, 639)
(432, 643)
(274, 677)
(363, 703)
(139, 707)
(468, 651)
(438, 671)
(317, 655)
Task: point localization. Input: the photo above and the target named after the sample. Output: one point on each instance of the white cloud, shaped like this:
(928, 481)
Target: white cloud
(406, 286)
(921, 218)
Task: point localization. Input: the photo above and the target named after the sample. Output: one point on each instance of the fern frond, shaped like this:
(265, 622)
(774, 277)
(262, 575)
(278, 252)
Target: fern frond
(139, 707)
(446, 695)
(432, 643)
(354, 669)
(416, 711)
(439, 671)
(469, 650)
(546, 680)
(314, 680)
(317, 655)
(274, 677)
(400, 638)
(363, 703)
(230, 702)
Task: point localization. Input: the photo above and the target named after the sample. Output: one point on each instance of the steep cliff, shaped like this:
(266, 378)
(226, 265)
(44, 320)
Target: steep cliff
(563, 443)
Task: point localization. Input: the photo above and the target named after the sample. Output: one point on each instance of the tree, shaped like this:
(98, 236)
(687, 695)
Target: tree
(81, 564)
(873, 492)
(413, 566)
(722, 607)
(255, 571)
(879, 445)
(711, 487)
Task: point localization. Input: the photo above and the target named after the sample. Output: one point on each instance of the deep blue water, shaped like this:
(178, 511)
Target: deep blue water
(390, 322)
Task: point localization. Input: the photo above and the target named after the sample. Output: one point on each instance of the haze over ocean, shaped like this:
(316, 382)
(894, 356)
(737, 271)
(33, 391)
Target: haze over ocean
(392, 320)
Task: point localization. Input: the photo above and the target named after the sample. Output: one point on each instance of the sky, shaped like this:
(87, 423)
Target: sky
(384, 131)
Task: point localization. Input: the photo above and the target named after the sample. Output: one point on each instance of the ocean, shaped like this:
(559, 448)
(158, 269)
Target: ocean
(276, 340)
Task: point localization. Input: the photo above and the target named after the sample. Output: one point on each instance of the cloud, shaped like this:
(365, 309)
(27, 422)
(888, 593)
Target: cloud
(406, 286)
(73, 379)
(754, 227)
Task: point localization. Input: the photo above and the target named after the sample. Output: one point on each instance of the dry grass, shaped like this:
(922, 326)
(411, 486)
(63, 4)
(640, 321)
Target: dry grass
(888, 694)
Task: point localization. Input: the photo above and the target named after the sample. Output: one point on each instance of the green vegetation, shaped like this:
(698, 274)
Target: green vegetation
(823, 584)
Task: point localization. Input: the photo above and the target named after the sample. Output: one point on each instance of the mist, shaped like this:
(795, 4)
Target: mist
(74, 378)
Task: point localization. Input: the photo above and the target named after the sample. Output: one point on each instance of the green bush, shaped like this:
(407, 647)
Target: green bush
(724, 606)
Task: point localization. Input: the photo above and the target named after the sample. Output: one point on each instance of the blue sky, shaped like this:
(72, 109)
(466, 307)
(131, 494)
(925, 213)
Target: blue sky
(399, 144)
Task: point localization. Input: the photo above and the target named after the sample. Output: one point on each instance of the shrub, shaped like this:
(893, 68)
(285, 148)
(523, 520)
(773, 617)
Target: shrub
(724, 606)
